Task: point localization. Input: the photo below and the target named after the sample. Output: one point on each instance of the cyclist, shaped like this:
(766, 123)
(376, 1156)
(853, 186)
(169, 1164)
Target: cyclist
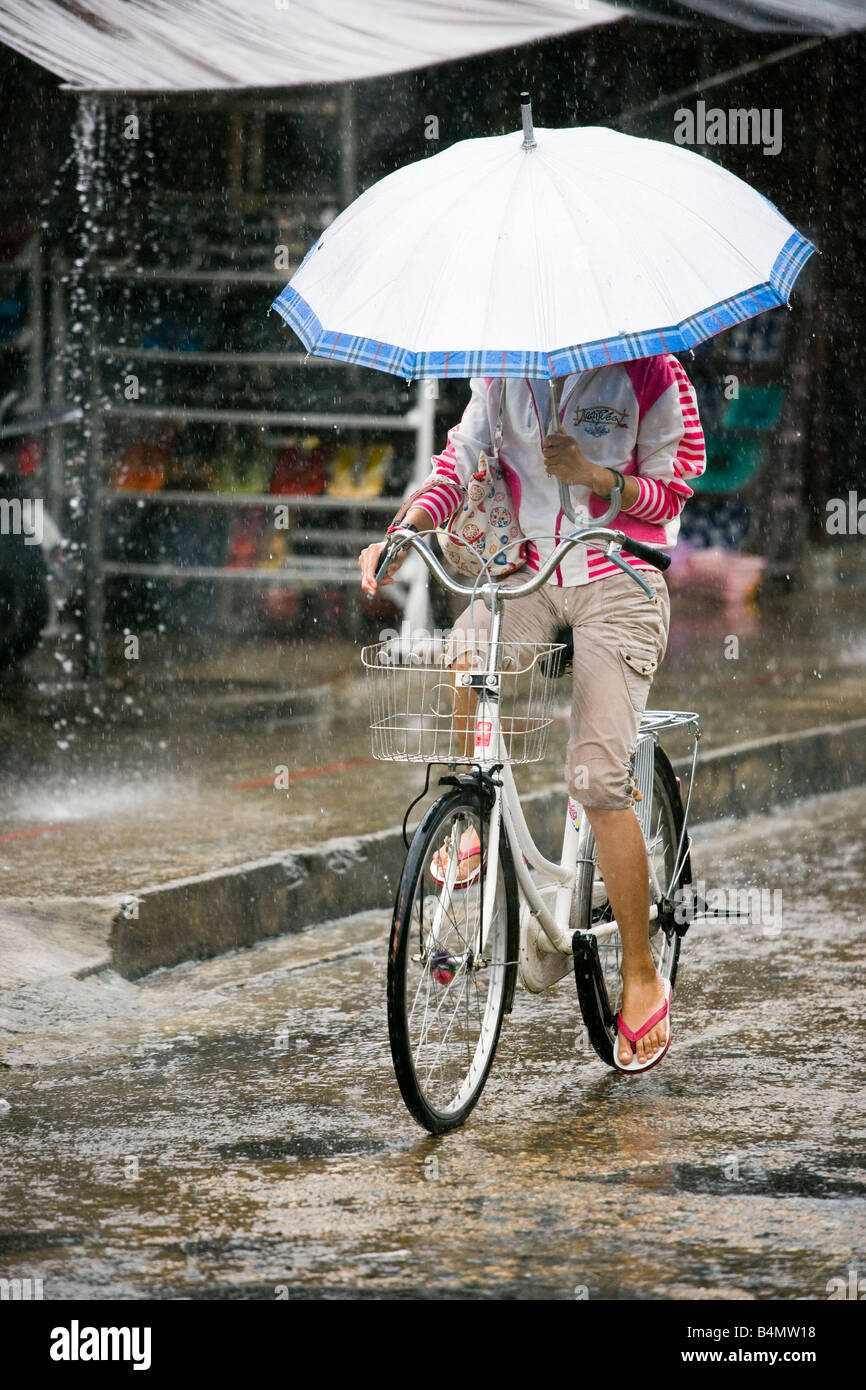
(635, 424)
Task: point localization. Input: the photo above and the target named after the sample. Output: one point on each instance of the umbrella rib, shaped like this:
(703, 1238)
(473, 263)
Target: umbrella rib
(446, 176)
(445, 269)
(675, 316)
(556, 184)
(686, 210)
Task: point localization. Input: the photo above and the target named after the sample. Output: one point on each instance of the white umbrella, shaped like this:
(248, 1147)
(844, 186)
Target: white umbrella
(541, 253)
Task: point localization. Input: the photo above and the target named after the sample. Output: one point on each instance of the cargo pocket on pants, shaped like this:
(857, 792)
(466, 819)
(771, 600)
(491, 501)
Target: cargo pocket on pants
(638, 668)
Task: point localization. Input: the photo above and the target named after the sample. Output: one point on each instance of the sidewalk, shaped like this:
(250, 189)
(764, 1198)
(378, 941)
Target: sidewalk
(165, 778)
(162, 779)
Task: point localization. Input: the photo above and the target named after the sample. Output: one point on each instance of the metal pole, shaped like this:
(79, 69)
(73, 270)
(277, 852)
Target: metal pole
(417, 610)
(348, 146)
(94, 577)
(91, 171)
(35, 360)
(816, 477)
(55, 488)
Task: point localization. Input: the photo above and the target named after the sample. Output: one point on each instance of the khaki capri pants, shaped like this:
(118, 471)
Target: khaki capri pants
(620, 637)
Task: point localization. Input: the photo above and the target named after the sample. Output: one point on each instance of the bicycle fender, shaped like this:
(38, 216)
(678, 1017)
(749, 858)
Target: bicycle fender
(591, 993)
(473, 782)
(664, 768)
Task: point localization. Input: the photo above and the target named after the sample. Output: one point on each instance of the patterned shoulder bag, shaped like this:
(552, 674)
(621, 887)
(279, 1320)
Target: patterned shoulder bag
(485, 529)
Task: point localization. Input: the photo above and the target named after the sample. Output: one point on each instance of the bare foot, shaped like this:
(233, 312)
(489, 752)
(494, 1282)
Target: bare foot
(470, 852)
(643, 994)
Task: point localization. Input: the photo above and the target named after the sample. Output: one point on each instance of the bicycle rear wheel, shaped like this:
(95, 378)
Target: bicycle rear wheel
(598, 952)
(447, 989)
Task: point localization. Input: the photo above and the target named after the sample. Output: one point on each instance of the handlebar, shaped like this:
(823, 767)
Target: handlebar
(601, 537)
(659, 559)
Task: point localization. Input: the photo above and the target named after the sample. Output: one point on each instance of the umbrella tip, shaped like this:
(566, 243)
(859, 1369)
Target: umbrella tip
(526, 113)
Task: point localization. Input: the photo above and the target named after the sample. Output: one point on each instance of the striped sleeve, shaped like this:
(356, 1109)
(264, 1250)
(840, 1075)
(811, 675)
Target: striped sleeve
(670, 441)
(453, 468)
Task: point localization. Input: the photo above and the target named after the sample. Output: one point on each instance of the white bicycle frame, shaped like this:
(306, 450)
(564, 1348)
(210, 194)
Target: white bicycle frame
(537, 874)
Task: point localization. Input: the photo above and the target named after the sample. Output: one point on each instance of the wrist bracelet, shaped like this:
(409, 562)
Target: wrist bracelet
(403, 526)
(620, 480)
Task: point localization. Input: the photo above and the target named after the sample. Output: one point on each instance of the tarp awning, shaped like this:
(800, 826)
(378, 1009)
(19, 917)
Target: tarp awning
(188, 45)
(798, 16)
(193, 44)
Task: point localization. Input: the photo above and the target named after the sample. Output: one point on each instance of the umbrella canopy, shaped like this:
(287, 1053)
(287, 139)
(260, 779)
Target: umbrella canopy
(541, 254)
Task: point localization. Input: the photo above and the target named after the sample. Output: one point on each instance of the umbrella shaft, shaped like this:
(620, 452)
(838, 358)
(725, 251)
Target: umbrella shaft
(554, 405)
(526, 113)
(564, 494)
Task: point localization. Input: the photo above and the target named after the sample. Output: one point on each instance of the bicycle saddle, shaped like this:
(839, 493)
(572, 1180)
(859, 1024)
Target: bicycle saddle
(560, 663)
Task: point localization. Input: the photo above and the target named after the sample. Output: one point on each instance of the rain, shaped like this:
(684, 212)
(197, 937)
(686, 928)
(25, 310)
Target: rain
(323, 956)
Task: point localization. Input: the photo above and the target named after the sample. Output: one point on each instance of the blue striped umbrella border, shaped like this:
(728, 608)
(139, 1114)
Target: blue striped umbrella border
(404, 362)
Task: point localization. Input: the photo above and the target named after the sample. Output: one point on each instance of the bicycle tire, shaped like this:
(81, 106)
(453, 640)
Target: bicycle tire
(596, 968)
(421, 904)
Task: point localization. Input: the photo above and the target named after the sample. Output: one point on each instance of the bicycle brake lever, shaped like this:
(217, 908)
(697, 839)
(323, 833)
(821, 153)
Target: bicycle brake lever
(630, 570)
(386, 559)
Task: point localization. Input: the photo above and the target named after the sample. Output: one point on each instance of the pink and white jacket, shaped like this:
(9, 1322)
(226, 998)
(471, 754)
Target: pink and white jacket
(638, 417)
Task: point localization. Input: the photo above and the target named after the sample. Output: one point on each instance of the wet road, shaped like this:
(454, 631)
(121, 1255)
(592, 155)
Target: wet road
(232, 1129)
(133, 793)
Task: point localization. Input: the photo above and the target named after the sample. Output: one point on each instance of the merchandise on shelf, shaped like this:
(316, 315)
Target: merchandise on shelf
(13, 312)
(30, 455)
(361, 472)
(244, 537)
(281, 605)
(715, 521)
(177, 320)
(243, 469)
(301, 469)
(142, 467)
(714, 572)
(274, 548)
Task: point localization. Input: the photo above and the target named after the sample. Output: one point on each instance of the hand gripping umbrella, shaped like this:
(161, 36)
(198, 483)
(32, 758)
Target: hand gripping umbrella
(541, 253)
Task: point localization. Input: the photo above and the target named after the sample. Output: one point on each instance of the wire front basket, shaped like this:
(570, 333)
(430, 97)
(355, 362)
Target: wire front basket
(424, 694)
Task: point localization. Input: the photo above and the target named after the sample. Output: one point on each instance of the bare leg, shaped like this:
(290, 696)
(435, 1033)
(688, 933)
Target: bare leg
(623, 863)
(464, 727)
(464, 708)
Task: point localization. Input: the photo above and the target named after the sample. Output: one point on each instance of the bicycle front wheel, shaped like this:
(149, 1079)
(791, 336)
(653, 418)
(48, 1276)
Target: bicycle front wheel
(450, 978)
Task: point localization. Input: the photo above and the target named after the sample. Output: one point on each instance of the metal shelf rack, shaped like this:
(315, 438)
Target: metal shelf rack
(301, 572)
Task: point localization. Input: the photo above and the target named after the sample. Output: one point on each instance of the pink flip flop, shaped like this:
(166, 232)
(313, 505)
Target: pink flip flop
(664, 1012)
(462, 854)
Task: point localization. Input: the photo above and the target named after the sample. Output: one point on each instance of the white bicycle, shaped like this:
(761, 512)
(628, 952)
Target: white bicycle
(459, 940)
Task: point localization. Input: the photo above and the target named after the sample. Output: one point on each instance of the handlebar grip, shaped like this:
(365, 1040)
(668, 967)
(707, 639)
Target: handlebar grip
(659, 559)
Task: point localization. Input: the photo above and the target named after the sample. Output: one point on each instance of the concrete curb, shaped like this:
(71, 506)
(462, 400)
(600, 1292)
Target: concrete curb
(54, 938)
(198, 917)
